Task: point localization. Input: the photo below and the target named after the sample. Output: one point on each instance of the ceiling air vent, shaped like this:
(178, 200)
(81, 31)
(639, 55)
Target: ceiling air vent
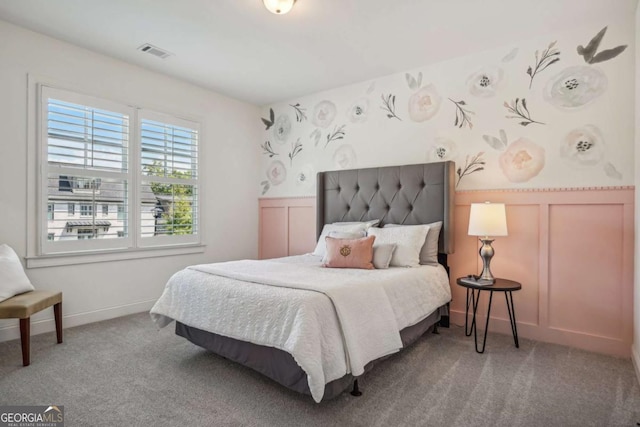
(153, 50)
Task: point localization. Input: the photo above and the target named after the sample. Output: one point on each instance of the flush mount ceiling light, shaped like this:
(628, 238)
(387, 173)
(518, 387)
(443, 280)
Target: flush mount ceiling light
(279, 7)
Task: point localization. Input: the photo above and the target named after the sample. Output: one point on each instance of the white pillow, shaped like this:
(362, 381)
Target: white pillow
(429, 252)
(357, 228)
(408, 240)
(382, 255)
(367, 224)
(13, 281)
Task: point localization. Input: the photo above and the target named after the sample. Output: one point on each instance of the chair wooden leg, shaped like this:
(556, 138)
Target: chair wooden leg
(57, 312)
(25, 337)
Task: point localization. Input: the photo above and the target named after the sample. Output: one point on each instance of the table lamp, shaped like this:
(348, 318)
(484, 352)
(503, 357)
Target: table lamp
(487, 219)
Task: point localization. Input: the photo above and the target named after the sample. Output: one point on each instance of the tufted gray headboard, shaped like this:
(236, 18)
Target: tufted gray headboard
(410, 194)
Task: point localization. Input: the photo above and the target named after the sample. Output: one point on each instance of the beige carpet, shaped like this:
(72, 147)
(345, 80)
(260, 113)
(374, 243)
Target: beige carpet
(124, 372)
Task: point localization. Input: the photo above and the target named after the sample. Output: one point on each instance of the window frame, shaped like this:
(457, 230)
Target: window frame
(97, 250)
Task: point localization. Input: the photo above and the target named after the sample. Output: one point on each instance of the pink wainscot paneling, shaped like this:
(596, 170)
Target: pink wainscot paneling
(286, 226)
(572, 250)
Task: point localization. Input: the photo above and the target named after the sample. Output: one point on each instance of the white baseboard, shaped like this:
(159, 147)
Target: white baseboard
(635, 358)
(69, 321)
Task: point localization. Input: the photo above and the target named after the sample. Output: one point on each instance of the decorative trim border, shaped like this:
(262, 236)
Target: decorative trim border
(287, 198)
(550, 189)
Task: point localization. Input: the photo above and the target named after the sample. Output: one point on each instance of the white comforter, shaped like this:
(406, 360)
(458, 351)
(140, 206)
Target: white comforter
(303, 322)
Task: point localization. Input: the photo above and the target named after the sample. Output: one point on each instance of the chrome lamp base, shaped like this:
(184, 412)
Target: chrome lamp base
(486, 253)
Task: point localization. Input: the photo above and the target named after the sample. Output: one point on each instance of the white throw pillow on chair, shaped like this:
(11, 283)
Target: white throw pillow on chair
(13, 280)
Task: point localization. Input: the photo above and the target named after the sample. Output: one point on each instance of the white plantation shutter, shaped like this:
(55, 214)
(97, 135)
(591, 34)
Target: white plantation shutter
(169, 173)
(113, 176)
(85, 163)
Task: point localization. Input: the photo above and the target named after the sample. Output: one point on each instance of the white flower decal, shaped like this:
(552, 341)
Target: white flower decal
(358, 111)
(522, 160)
(584, 147)
(282, 128)
(345, 157)
(323, 114)
(575, 86)
(276, 172)
(424, 104)
(306, 177)
(485, 82)
(443, 149)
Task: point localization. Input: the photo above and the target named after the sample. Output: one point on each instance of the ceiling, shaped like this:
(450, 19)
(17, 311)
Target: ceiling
(238, 48)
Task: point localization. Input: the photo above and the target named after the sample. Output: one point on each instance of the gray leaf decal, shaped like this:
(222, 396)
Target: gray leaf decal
(511, 55)
(494, 142)
(419, 82)
(503, 137)
(413, 85)
(591, 49)
(612, 172)
(607, 54)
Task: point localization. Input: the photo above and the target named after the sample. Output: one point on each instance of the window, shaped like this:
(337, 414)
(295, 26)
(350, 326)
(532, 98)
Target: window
(50, 236)
(169, 163)
(86, 209)
(88, 144)
(86, 233)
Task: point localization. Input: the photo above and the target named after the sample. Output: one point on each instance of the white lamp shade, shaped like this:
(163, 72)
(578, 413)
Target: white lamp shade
(488, 219)
(279, 7)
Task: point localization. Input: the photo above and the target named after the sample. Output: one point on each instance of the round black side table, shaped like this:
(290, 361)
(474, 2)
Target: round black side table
(500, 285)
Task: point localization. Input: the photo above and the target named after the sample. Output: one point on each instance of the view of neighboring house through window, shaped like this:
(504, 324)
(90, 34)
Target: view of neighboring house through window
(88, 143)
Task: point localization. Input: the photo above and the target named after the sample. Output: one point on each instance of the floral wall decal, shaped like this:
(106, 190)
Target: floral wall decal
(323, 114)
(485, 82)
(269, 122)
(548, 57)
(359, 110)
(424, 104)
(389, 105)
(276, 172)
(462, 114)
(337, 134)
(300, 112)
(522, 160)
(305, 177)
(282, 128)
(443, 149)
(585, 147)
(296, 148)
(345, 157)
(589, 87)
(575, 86)
(520, 111)
(268, 150)
(591, 54)
(473, 165)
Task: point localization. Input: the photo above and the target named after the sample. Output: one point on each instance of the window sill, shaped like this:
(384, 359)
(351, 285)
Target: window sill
(108, 256)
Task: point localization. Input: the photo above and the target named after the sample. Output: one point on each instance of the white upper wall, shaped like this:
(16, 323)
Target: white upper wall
(576, 129)
(229, 165)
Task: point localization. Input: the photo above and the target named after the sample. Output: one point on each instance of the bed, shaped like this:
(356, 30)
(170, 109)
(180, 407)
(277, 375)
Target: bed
(311, 339)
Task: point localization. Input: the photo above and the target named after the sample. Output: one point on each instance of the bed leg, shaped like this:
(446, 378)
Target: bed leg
(444, 321)
(356, 391)
(435, 329)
